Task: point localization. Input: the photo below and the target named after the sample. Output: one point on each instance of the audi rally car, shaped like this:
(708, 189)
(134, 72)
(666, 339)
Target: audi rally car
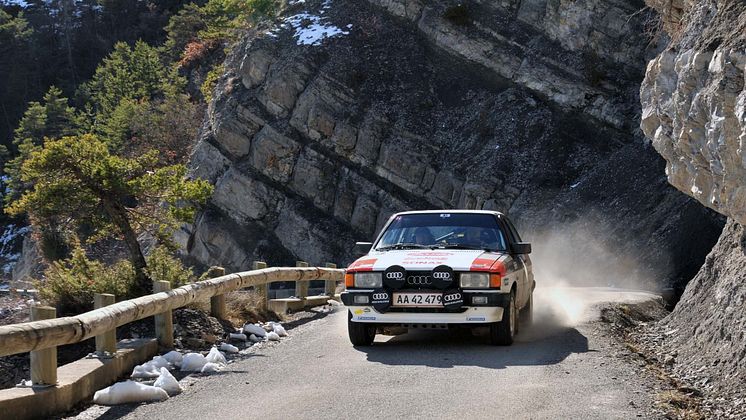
(440, 269)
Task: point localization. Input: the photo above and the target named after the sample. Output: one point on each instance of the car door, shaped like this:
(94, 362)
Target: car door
(522, 266)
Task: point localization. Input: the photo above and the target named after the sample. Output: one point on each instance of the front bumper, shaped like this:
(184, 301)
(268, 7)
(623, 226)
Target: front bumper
(472, 315)
(489, 312)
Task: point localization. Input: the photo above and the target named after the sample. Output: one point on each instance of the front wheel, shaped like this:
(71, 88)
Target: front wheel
(361, 334)
(503, 332)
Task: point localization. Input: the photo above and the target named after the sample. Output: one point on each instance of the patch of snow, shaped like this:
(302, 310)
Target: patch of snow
(254, 329)
(129, 392)
(575, 185)
(333, 302)
(161, 362)
(173, 357)
(215, 356)
(210, 368)
(239, 336)
(273, 336)
(145, 371)
(228, 348)
(25, 383)
(193, 362)
(279, 330)
(311, 29)
(168, 383)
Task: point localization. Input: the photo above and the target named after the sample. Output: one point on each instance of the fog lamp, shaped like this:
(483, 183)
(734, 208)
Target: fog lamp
(479, 300)
(360, 299)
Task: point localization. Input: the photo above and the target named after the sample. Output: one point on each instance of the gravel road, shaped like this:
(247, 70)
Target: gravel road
(555, 370)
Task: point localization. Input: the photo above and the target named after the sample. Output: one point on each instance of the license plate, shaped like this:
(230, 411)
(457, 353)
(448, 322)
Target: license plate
(418, 300)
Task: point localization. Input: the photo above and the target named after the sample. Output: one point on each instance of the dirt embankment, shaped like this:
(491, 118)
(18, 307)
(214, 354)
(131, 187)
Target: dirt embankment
(684, 394)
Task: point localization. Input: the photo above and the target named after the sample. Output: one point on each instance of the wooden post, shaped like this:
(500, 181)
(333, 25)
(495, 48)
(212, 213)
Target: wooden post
(301, 287)
(263, 289)
(43, 362)
(217, 303)
(106, 342)
(330, 286)
(164, 322)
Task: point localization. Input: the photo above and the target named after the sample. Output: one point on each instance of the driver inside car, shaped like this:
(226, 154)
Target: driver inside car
(472, 237)
(422, 236)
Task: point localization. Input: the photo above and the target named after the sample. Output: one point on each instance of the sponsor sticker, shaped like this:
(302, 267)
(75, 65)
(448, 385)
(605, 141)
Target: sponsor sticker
(366, 318)
(358, 312)
(476, 318)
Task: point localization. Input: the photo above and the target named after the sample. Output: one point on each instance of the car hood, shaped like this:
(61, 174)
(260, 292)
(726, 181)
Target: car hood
(427, 259)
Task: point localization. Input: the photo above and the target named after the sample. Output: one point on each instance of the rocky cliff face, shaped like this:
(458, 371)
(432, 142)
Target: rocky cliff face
(345, 112)
(694, 102)
(694, 110)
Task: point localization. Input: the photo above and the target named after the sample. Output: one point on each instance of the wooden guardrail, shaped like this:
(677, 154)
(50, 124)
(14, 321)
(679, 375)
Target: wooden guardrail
(37, 335)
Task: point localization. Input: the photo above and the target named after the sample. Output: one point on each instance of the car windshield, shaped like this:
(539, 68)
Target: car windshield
(443, 230)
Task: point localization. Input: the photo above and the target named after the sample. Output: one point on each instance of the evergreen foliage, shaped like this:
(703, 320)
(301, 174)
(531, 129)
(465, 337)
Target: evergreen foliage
(79, 179)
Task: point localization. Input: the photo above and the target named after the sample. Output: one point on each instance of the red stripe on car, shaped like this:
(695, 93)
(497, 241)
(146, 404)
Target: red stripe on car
(362, 265)
(488, 263)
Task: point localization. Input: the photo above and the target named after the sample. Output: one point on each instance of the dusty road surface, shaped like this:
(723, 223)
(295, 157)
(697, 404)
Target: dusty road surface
(562, 367)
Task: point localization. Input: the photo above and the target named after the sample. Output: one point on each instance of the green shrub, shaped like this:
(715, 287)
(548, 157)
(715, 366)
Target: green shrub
(70, 284)
(211, 80)
(163, 266)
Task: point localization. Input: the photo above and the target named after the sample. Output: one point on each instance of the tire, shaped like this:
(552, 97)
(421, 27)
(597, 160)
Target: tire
(526, 315)
(361, 334)
(503, 332)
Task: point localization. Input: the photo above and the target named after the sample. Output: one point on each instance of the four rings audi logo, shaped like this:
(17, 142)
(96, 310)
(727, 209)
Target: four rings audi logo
(380, 296)
(419, 280)
(441, 275)
(395, 275)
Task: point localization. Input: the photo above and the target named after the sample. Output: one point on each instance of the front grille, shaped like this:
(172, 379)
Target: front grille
(418, 280)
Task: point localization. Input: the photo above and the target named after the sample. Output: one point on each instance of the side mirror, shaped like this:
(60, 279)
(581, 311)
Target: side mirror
(521, 248)
(362, 248)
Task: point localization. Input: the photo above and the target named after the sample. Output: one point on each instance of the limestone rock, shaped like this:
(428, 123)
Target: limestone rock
(527, 107)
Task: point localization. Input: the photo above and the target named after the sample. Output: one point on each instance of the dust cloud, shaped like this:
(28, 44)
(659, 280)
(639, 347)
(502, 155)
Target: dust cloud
(575, 271)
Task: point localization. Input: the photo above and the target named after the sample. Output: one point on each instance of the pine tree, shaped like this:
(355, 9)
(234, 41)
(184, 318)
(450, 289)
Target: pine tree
(51, 119)
(77, 178)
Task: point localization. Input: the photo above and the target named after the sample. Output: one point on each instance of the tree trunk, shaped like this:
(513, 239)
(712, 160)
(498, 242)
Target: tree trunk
(118, 215)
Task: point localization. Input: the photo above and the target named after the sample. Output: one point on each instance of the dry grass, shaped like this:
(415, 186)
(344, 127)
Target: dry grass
(241, 306)
(246, 306)
(679, 405)
(679, 402)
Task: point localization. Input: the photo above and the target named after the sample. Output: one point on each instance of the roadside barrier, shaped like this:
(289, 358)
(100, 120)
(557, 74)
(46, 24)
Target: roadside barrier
(44, 333)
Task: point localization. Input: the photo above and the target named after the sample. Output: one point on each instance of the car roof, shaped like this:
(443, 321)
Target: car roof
(496, 213)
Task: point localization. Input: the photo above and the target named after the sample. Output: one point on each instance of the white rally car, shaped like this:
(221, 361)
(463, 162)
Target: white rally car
(439, 269)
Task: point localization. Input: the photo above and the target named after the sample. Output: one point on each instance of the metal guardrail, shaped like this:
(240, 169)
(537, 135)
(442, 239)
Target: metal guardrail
(44, 333)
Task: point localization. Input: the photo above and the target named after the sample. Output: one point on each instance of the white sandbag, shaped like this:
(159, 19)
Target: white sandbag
(145, 371)
(129, 392)
(273, 336)
(239, 337)
(160, 361)
(173, 357)
(280, 330)
(211, 368)
(193, 362)
(254, 329)
(255, 339)
(215, 356)
(228, 348)
(168, 383)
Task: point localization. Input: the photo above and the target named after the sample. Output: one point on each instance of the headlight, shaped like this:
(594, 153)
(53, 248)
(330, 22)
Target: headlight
(369, 280)
(475, 280)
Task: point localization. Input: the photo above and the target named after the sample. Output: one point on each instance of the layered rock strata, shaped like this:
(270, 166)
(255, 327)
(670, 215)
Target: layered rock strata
(529, 107)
